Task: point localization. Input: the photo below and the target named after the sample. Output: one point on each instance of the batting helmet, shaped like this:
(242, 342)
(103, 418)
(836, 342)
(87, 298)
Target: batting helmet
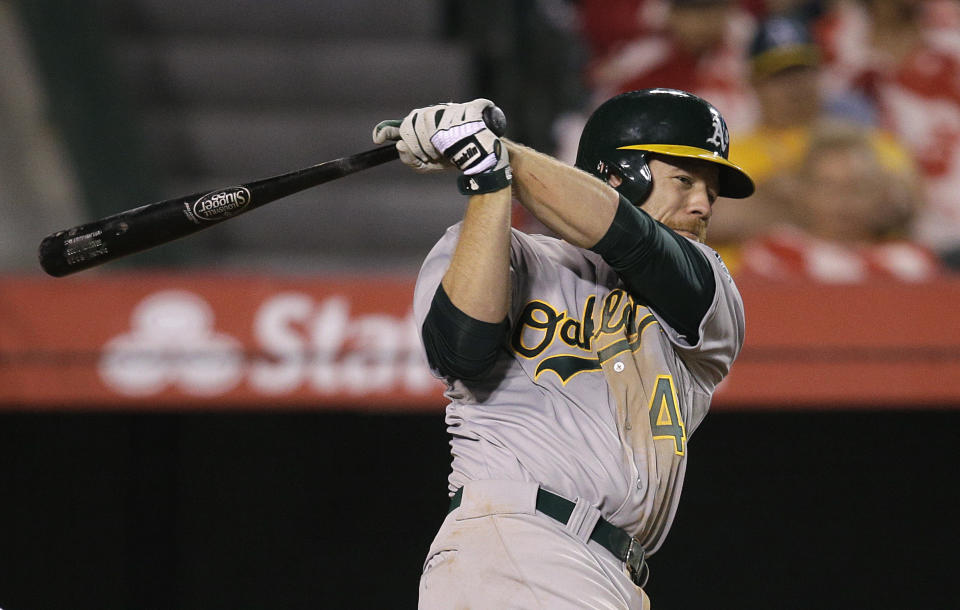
(620, 135)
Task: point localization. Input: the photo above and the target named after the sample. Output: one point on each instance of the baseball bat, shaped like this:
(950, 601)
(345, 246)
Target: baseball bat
(146, 226)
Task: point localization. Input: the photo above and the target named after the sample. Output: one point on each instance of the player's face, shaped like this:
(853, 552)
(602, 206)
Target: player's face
(683, 194)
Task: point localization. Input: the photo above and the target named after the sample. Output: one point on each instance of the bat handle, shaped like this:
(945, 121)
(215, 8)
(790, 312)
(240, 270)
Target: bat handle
(495, 120)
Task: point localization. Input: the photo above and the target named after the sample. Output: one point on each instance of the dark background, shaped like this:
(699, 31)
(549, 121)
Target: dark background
(336, 510)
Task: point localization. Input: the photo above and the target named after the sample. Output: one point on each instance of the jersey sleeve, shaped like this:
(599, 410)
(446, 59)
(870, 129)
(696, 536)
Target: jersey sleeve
(529, 256)
(431, 273)
(721, 330)
(429, 280)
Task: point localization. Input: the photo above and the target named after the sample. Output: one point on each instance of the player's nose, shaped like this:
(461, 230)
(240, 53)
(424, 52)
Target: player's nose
(700, 201)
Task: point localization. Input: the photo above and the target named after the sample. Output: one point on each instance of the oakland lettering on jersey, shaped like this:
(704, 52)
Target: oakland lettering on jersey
(540, 324)
(543, 320)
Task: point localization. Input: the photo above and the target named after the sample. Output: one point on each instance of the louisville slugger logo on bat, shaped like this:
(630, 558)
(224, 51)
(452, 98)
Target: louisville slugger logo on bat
(219, 204)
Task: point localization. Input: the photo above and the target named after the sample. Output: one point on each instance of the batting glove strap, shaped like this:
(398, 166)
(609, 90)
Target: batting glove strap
(487, 182)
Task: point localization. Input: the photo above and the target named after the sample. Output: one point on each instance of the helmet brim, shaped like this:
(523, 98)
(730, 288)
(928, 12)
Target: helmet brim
(735, 183)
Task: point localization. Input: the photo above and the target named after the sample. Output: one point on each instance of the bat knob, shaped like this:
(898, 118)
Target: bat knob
(495, 120)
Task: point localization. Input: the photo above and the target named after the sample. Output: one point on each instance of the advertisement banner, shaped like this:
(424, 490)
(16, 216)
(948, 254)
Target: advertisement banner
(215, 342)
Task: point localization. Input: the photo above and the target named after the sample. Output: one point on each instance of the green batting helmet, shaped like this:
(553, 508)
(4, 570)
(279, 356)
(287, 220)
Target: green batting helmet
(620, 135)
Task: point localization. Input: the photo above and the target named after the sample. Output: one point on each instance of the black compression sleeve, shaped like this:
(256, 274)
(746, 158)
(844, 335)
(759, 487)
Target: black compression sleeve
(659, 267)
(457, 345)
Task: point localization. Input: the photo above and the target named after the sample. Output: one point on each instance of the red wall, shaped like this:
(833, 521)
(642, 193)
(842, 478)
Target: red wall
(164, 341)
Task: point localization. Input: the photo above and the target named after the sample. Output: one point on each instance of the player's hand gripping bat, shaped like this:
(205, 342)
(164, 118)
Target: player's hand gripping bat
(150, 225)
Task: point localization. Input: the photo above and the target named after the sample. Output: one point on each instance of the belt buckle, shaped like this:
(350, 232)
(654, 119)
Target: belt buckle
(636, 566)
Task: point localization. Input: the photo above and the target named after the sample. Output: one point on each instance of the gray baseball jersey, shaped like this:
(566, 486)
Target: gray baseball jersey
(551, 411)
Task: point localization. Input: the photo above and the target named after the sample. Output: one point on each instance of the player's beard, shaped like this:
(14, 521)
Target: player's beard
(698, 227)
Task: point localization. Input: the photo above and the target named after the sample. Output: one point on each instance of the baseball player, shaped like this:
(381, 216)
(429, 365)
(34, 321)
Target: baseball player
(576, 368)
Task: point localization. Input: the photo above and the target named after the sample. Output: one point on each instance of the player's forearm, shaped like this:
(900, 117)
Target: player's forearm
(478, 279)
(572, 203)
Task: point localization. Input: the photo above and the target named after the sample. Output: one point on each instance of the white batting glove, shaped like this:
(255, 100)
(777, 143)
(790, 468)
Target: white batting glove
(435, 137)
(412, 136)
(462, 136)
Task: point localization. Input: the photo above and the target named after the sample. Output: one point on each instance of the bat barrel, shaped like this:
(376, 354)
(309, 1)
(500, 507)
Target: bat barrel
(147, 226)
(95, 243)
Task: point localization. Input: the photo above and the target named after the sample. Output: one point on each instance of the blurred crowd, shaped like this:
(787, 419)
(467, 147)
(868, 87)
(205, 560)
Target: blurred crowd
(845, 112)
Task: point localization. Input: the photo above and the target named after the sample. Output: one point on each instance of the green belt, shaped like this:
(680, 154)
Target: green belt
(623, 546)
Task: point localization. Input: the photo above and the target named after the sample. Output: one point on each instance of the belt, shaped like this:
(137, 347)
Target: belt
(624, 547)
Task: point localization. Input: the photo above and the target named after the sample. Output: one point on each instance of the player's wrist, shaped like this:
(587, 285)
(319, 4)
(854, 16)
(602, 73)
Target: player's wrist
(489, 171)
(486, 182)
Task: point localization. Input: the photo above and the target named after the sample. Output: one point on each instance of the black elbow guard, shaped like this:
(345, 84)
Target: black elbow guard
(457, 345)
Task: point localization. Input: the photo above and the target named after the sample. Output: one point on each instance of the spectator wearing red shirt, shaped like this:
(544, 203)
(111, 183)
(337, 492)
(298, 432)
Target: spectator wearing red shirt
(901, 59)
(693, 45)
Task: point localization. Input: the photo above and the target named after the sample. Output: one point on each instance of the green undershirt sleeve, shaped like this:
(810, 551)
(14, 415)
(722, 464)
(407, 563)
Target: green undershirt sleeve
(659, 267)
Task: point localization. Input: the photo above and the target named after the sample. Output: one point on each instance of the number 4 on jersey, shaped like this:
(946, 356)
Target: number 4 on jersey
(665, 419)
